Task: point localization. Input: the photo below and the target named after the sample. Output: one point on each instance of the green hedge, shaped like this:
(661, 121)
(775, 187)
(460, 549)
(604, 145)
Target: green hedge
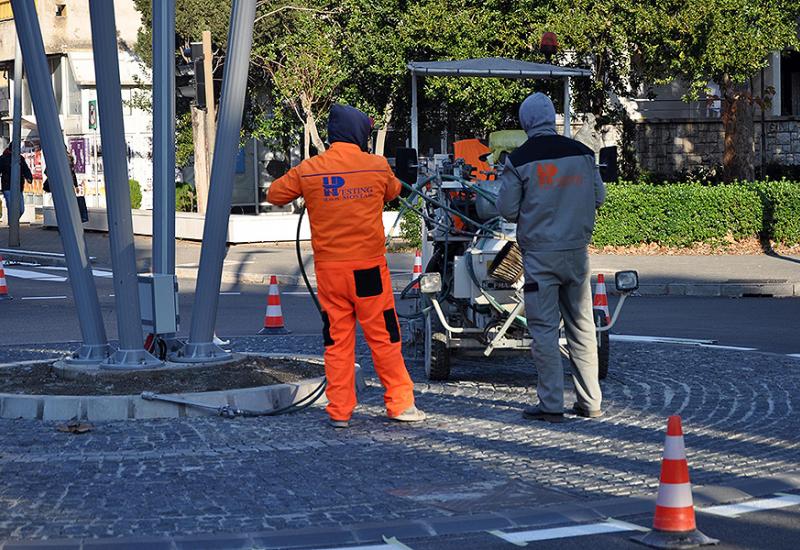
(683, 214)
(136, 194)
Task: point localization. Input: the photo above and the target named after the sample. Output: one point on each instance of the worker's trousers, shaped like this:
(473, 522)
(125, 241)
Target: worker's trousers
(558, 285)
(361, 290)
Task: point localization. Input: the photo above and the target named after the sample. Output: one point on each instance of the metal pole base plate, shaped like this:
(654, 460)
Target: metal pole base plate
(89, 355)
(667, 539)
(206, 352)
(130, 359)
(273, 331)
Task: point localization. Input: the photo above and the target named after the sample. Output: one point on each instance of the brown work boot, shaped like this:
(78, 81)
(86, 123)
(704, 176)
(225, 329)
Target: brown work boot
(586, 413)
(536, 413)
(411, 414)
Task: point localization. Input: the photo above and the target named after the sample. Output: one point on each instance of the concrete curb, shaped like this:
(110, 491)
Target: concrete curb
(407, 530)
(133, 407)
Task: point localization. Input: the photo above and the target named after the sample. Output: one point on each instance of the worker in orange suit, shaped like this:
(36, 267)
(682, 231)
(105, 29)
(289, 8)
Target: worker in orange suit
(344, 190)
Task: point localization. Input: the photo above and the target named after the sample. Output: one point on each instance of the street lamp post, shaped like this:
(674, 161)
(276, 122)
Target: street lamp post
(131, 353)
(200, 347)
(95, 345)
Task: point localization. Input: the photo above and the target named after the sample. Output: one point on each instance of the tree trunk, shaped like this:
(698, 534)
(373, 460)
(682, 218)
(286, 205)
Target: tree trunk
(306, 141)
(737, 120)
(311, 123)
(202, 173)
(380, 139)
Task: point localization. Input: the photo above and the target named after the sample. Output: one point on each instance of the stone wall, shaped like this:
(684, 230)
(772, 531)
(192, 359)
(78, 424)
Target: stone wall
(669, 147)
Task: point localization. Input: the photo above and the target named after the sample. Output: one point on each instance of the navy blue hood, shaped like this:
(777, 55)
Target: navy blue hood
(348, 124)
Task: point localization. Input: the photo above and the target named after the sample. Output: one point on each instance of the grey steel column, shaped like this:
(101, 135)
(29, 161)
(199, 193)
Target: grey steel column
(95, 346)
(164, 136)
(164, 145)
(200, 347)
(16, 138)
(131, 353)
(414, 114)
(567, 108)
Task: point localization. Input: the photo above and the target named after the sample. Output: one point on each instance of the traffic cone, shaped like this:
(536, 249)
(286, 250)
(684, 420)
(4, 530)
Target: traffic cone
(674, 523)
(601, 297)
(417, 272)
(273, 319)
(3, 286)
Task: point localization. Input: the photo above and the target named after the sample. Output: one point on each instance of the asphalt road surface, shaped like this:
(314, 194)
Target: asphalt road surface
(773, 529)
(43, 312)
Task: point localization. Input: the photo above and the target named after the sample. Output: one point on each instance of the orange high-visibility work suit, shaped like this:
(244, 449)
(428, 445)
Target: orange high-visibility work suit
(344, 190)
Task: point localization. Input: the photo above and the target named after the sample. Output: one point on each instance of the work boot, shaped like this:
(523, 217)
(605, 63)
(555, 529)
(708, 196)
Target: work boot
(586, 413)
(339, 424)
(536, 413)
(411, 414)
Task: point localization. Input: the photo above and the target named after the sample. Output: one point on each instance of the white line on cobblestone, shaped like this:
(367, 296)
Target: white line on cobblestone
(659, 339)
(734, 348)
(736, 510)
(608, 526)
(43, 298)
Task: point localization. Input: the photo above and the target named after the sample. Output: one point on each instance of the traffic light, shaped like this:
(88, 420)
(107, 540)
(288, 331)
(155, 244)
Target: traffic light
(192, 75)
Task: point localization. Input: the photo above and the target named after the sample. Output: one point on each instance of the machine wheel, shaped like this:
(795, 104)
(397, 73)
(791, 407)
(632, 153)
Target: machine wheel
(440, 358)
(603, 350)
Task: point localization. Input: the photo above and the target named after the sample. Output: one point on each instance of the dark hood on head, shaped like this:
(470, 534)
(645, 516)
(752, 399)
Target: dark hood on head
(538, 116)
(348, 124)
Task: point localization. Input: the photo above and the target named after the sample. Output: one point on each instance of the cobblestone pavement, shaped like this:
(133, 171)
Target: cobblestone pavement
(475, 454)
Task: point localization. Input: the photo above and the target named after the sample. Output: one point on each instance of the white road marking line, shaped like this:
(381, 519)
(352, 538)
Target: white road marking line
(230, 293)
(659, 339)
(609, 526)
(795, 355)
(736, 510)
(43, 298)
(34, 275)
(103, 273)
(734, 348)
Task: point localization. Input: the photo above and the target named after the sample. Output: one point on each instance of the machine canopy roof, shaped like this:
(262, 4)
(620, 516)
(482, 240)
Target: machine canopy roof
(496, 67)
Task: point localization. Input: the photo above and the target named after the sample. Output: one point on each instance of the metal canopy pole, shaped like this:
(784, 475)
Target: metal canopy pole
(16, 138)
(164, 136)
(567, 108)
(200, 347)
(95, 346)
(131, 353)
(414, 114)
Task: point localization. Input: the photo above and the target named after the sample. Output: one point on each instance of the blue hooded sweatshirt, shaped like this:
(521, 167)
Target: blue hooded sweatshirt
(348, 124)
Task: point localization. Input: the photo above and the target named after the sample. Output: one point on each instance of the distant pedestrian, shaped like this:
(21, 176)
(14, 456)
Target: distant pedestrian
(5, 178)
(84, 212)
(550, 186)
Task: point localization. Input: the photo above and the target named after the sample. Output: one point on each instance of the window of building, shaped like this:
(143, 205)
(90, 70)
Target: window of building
(790, 84)
(73, 90)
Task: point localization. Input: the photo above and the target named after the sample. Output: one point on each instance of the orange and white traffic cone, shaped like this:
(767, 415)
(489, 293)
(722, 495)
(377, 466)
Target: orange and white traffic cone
(3, 285)
(601, 297)
(417, 271)
(273, 319)
(674, 523)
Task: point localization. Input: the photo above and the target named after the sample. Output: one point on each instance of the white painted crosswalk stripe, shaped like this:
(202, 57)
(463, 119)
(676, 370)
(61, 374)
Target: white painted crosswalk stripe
(43, 298)
(33, 275)
(736, 510)
(608, 526)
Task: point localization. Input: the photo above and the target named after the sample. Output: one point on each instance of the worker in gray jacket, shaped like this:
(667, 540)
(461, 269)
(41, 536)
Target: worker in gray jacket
(550, 186)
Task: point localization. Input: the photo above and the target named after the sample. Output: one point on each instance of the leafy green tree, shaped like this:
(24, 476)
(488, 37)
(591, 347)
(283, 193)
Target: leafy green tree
(727, 41)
